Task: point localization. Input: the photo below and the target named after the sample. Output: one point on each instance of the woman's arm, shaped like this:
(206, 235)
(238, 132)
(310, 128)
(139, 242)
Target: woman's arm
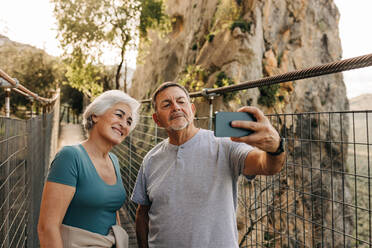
(54, 203)
(118, 218)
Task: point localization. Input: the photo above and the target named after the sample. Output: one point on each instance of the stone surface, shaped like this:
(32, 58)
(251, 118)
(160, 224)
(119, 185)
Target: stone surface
(70, 134)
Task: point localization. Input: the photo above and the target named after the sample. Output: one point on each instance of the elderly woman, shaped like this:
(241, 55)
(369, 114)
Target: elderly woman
(84, 189)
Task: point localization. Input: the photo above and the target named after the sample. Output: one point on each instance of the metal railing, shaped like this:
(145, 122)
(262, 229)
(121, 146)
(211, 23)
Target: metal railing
(321, 198)
(26, 150)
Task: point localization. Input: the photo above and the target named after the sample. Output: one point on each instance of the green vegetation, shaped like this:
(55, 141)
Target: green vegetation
(193, 78)
(210, 37)
(268, 95)
(228, 16)
(73, 98)
(84, 76)
(224, 80)
(34, 69)
(153, 16)
(243, 25)
(227, 12)
(87, 27)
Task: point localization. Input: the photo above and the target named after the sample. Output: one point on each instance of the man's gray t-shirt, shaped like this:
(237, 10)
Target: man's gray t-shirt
(192, 190)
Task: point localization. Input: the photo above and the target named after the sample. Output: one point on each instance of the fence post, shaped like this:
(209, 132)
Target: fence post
(68, 114)
(6, 209)
(31, 108)
(210, 97)
(7, 102)
(44, 133)
(62, 113)
(30, 171)
(210, 124)
(37, 109)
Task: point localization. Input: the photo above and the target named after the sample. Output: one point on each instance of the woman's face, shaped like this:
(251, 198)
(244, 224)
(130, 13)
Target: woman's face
(115, 124)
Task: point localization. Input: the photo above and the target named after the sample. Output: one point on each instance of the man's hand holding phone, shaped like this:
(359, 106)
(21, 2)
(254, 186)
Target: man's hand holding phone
(263, 136)
(222, 124)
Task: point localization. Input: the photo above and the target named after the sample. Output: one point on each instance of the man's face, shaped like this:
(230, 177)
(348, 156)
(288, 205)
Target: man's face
(173, 109)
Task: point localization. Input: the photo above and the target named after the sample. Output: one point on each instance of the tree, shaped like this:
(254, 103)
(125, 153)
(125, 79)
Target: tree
(92, 25)
(34, 69)
(82, 75)
(153, 16)
(88, 27)
(73, 98)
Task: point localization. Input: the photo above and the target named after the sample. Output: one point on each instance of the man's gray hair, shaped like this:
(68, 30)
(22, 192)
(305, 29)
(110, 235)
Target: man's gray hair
(105, 101)
(164, 86)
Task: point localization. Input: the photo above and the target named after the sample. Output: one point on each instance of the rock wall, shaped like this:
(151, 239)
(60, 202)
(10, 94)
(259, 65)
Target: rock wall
(251, 39)
(283, 36)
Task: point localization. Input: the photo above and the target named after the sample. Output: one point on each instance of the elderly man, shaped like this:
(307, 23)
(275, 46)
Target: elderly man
(186, 189)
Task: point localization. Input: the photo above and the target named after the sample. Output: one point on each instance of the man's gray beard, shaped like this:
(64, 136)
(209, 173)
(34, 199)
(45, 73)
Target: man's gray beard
(171, 128)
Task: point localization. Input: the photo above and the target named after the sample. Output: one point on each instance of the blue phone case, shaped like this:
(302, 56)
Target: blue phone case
(222, 124)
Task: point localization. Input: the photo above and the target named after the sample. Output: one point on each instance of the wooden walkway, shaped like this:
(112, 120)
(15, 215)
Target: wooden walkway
(71, 134)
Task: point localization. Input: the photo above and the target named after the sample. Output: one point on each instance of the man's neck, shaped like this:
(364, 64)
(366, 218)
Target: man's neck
(182, 136)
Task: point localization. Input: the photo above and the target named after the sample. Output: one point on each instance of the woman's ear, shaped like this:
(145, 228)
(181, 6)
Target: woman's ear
(94, 118)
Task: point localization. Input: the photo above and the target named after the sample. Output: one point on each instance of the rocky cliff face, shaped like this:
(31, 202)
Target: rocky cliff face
(221, 42)
(362, 102)
(269, 37)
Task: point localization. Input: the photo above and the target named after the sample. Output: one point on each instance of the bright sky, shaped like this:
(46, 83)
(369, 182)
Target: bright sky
(32, 22)
(356, 40)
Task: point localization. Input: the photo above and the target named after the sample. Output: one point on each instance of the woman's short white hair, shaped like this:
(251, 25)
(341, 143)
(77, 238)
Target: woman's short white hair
(105, 101)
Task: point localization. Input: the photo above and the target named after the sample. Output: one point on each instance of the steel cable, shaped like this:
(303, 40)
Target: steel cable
(320, 70)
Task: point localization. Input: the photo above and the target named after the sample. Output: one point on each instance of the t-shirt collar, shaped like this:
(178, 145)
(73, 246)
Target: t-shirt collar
(187, 143)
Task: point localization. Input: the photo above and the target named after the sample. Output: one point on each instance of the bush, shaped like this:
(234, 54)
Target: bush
(243, 25)
(210, 37)
(222, 81)
(268, 95)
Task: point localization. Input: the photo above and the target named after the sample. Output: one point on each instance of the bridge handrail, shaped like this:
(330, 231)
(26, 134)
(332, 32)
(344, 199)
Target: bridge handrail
(19, 88)
(319, 70)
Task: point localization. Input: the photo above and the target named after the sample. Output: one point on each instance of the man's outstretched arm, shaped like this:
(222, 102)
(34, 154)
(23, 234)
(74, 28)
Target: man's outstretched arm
(259, 162)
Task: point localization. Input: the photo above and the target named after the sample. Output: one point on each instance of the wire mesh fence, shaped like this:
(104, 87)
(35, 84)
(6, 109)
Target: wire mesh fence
(26, 147)
(321, 198)
(13, 193)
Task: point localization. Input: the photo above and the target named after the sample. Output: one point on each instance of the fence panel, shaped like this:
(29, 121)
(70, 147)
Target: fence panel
(13, 183)
(321, 198)
(25, 150)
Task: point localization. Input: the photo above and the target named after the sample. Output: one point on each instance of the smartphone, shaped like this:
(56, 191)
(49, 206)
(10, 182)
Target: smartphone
(222, 124)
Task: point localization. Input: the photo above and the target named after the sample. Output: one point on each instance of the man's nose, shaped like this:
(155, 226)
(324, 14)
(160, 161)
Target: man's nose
(176, 106)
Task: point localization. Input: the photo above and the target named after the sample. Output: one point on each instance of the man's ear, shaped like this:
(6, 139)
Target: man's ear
(155, 118)
(193, 108)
